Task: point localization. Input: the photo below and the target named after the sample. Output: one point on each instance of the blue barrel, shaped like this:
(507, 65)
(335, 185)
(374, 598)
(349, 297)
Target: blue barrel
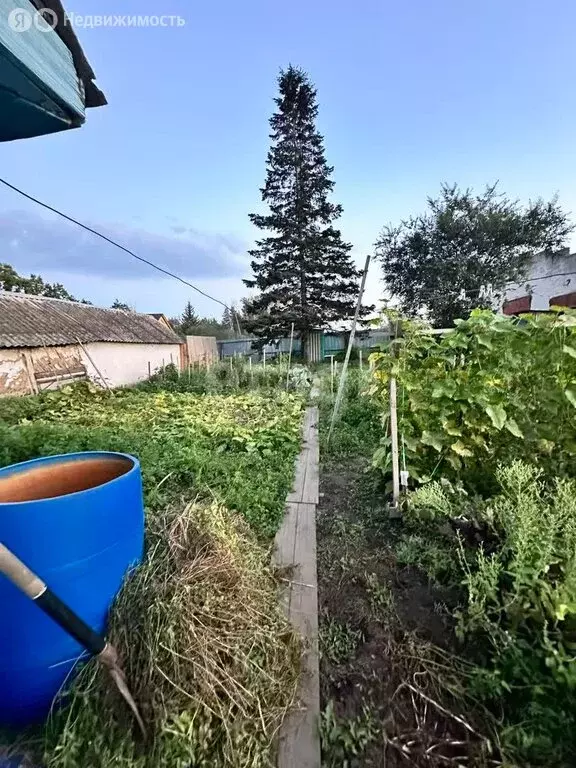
(77, 521)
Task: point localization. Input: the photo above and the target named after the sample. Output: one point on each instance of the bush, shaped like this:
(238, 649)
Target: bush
(492, 390)
(519, 619)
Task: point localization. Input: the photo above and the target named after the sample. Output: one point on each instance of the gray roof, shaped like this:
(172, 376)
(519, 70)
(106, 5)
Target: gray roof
(36, 321)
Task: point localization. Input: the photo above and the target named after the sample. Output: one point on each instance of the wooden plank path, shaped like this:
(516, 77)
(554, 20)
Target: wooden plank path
(295, 550)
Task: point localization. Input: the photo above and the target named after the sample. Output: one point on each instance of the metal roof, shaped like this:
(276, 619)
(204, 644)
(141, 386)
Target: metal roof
(37, 321)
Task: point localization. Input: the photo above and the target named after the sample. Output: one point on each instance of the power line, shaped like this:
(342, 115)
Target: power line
(112, 242)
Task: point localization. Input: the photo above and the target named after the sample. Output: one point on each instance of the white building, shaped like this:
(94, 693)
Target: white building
(551, 281)
(47, 342)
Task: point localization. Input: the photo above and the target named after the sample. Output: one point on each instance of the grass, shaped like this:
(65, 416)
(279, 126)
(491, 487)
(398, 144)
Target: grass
(501, 573)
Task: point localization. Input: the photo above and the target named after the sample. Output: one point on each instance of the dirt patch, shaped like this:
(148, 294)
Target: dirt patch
(391, 686)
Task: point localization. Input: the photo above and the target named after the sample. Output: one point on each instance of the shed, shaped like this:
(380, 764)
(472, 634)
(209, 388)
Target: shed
(46, 342)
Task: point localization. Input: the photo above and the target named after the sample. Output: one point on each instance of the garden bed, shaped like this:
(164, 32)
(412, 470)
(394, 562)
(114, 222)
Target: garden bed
(391, 692)
(211, 659)
(449, 635)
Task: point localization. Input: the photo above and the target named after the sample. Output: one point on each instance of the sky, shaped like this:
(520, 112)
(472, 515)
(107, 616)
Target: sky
(411, 94)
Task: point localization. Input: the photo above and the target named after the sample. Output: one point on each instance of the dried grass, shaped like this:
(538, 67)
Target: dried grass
(210, 659)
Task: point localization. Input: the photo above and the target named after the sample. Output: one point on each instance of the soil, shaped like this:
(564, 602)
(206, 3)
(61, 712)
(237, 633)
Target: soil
(394, 699)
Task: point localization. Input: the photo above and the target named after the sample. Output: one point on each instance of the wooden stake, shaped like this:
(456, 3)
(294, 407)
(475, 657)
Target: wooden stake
(395, 506)
(98, 371)
(342, 381)
(360, 359)
(331, 373)
(290, 355)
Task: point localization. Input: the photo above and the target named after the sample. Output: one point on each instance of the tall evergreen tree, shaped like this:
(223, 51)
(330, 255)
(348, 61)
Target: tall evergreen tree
(121, 305)
(303, 270)
(189, 319)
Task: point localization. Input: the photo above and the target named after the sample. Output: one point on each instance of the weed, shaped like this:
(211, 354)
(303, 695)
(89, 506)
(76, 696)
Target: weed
(209, 657)
(435, 558)
(338, 641)
(344, 740)
(379, 595)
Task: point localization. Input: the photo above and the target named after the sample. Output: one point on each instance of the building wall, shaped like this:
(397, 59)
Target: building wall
(13, 377)
(50, 366)
(122, 364)
(545, 287)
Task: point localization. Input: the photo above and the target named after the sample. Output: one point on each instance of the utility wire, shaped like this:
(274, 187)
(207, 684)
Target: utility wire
(112, 242)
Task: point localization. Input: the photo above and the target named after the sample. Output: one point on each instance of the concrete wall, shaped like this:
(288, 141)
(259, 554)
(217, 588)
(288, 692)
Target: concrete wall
(545, 287)
(122, 364)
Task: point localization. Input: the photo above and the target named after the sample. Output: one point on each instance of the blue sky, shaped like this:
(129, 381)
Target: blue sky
(411, 94)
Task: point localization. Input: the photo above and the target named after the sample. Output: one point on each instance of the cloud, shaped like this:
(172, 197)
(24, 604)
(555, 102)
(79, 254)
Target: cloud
(34, 243)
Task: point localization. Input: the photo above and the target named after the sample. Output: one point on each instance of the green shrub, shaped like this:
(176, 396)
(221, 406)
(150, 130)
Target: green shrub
(492, 390)
(519, 620)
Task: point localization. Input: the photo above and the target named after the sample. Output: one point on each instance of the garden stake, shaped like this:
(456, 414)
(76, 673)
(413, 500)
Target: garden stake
(342, 381)
(34, 588)
(290, 356)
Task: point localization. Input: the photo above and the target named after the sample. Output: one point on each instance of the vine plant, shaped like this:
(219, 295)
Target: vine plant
(491, 390)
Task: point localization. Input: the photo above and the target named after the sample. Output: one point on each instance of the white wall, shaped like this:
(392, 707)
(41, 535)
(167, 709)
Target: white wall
(543, 289)
(122, 364)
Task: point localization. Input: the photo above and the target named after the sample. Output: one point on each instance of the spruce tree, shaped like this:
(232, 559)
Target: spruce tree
(188, 320)
(302, 269)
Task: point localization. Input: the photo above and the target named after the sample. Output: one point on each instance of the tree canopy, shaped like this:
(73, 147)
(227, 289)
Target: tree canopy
(436, 263)
(302, 269)
(11, 281)
(117, 304)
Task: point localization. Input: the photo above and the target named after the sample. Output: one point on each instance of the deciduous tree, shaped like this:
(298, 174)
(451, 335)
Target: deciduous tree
(436, 263)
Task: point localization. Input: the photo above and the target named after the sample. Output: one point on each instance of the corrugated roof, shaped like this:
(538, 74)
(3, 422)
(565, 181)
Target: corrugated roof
(36, 321)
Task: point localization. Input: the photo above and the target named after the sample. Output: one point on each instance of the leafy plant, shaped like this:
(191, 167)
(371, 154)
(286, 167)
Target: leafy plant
(519, 619)
(338, 642)
(344, 740)
(491, 390)
(240, 448)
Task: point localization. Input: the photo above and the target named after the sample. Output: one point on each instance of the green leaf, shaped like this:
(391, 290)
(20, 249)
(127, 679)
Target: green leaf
(513, 427)
(485, 341)
(454, 461)
(459, 448)
(569, 350)
(429, 438)
(497, 415)
(451, 428)
(571, 395)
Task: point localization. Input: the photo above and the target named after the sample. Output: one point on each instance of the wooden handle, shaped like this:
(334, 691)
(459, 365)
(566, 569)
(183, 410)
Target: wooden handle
(34, 588)
(19, 574)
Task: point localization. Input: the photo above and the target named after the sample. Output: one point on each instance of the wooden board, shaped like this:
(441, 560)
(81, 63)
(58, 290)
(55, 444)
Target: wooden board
(306, 481)
(295, 550)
